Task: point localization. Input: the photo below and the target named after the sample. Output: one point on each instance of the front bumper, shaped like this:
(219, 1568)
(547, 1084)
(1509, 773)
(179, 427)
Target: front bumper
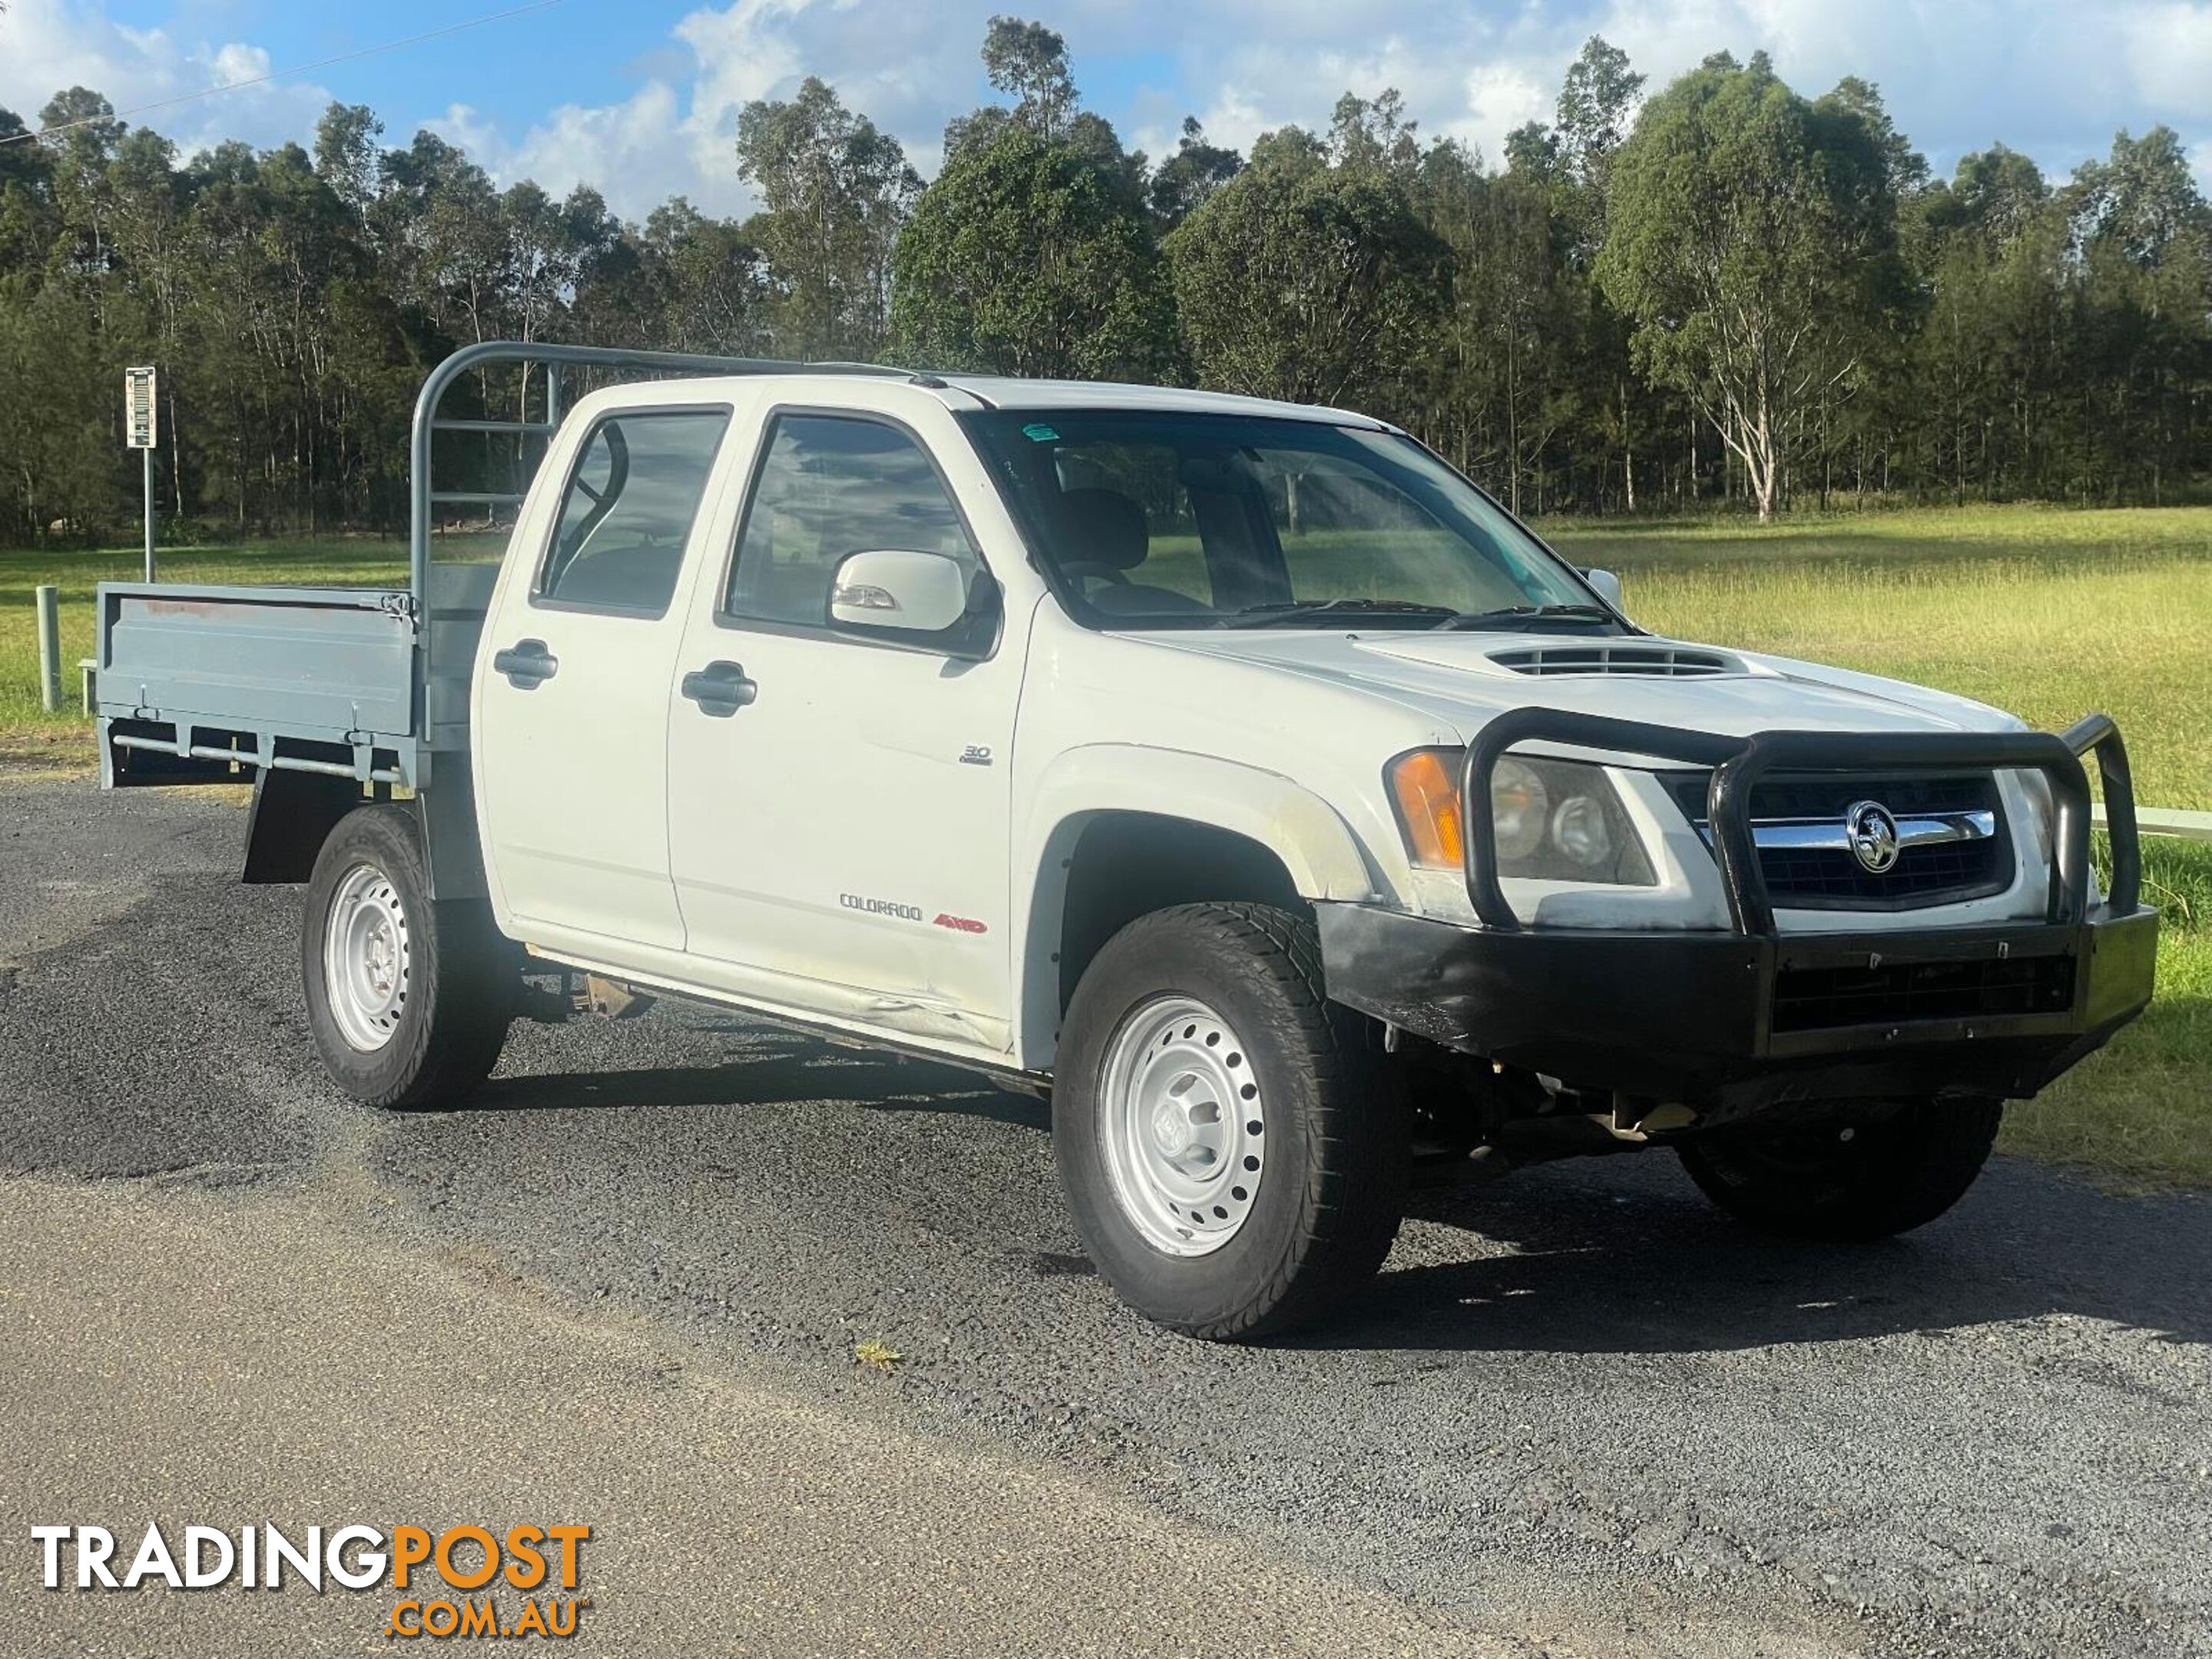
(1731, 1021)
(1738, 1022)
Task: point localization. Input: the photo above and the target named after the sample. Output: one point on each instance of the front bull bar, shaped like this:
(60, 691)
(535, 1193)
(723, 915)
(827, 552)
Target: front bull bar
(1738, 764)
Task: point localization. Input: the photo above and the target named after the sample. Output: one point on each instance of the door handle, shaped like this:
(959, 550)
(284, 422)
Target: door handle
(527, 665)
(720, 689)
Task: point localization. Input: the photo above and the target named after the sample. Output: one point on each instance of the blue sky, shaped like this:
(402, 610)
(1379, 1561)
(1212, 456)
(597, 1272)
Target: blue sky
(640, 96)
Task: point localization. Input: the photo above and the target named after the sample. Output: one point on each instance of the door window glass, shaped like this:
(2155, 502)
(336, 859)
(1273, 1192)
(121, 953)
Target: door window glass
(628, 508)
(829, 487)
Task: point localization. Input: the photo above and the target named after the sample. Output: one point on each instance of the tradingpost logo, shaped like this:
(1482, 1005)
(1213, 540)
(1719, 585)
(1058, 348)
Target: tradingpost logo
(435, 1578)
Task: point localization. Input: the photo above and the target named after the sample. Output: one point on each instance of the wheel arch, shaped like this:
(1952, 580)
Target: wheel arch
(294, 813)
(1117, 830)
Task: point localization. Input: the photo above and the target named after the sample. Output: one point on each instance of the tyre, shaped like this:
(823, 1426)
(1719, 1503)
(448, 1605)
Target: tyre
(409, 997)
(1849, 1184)
(1230, 1156)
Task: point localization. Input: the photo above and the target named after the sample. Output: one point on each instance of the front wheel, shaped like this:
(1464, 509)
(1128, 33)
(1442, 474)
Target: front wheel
(1231, 1157)
(1844, 1183)
(409, 997)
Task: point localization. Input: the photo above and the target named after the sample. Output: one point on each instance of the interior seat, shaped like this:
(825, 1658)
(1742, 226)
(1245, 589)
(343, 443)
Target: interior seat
(1107, 536)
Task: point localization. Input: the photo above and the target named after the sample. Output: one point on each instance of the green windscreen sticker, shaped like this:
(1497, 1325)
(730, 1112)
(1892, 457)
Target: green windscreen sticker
(1038, 433)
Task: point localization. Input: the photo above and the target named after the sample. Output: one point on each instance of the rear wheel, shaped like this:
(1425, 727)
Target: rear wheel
(409, 997)
(1845, 1183)
(1230, 1155)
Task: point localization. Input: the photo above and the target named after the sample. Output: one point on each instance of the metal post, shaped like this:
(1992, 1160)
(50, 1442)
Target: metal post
(149, 512)
(50, 648)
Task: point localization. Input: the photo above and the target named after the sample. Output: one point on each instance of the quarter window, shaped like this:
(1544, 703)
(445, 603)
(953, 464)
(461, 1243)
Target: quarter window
(829, 487)
(628, 510)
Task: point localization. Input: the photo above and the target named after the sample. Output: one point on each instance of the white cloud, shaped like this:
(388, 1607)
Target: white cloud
(1501, 97)
(2052, 77)
(237, 64)
(636, 153)
(2170, 51)
(53, 45)
(1232, 119)
(906, 67)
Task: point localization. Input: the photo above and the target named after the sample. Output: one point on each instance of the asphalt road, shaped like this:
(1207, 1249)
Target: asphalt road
(1581, 1415)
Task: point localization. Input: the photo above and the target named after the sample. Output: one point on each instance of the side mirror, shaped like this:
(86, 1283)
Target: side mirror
(1609, 587)
(911, 597)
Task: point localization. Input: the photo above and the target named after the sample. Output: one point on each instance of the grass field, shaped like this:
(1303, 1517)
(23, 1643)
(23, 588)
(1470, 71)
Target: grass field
(2047, 612)
(26, 729)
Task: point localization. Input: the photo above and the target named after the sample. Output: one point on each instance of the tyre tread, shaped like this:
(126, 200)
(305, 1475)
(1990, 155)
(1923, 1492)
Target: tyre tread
(1912, 1169)
(1356, 1165)
(470, 968)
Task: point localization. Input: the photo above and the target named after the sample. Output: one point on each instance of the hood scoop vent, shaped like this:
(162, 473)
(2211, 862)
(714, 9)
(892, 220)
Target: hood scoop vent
(1673, 662)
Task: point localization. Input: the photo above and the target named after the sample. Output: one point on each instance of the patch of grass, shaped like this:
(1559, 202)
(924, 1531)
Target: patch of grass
(352, 561)
(876, 1355)
(2139, 1110)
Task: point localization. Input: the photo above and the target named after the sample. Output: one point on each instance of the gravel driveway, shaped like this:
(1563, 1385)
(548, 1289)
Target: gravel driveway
(1582, 1413)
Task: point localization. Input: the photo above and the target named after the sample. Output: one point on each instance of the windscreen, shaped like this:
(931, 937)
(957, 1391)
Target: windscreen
(1182, 521)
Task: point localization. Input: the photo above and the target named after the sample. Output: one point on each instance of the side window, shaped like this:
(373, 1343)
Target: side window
(831, 486)
(628, 511)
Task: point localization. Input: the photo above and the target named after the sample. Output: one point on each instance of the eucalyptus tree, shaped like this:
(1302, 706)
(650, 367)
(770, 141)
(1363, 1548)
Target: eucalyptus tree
(1505, 348)
(682, 282)
(1750, 238)
(1596, 106)
(1031, 252)
(836, 190)
(1031, 255)
(1182, 182)
(1311, 279)
(2143, 234)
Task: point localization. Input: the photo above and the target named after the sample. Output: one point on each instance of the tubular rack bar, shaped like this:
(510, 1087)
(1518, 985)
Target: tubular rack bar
(553, 359)
(209, 751)
(1738, 764)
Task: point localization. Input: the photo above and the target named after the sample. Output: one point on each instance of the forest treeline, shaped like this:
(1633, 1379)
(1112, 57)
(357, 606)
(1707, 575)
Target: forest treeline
(1724, 291)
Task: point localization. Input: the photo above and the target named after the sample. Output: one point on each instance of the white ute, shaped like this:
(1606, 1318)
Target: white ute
(1237, 774)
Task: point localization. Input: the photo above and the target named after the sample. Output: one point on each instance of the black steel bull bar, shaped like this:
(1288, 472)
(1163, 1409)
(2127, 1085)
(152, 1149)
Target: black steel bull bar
(1738, 764)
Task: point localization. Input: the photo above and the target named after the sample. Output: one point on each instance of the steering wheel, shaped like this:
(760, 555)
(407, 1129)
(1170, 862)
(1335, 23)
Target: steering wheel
(1095, 570)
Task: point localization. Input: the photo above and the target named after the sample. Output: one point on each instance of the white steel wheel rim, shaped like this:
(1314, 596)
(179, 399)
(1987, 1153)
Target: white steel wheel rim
(1184, 1126)
(366, 959)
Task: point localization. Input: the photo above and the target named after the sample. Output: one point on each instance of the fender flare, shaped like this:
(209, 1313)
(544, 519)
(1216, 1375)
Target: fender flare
(1317, 847)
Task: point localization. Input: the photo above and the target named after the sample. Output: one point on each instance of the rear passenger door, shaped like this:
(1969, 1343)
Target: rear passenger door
(571, 692)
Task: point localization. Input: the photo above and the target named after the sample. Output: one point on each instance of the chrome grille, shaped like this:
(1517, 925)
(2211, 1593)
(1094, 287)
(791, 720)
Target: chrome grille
(1952, 844)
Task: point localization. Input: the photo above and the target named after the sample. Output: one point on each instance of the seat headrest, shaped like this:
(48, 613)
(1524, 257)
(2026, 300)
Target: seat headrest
(1105, 528)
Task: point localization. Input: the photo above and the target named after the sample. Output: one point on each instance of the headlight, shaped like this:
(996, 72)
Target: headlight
(1552, 820)
(1520, 810)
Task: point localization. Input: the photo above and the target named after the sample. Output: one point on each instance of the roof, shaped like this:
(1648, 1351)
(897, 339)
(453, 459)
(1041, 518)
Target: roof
(966, 391)
(1002, 392)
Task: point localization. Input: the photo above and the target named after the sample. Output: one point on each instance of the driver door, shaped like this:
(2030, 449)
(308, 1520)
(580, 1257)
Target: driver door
(838, 835)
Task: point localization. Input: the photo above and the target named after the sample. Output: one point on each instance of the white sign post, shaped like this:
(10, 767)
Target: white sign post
(140, 402)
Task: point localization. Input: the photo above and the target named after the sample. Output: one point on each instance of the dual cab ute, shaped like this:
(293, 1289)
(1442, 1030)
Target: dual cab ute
(1238, 773)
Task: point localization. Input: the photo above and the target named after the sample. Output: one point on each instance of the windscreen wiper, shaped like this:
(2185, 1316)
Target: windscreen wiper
(1281, 610)
(1517, 615)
